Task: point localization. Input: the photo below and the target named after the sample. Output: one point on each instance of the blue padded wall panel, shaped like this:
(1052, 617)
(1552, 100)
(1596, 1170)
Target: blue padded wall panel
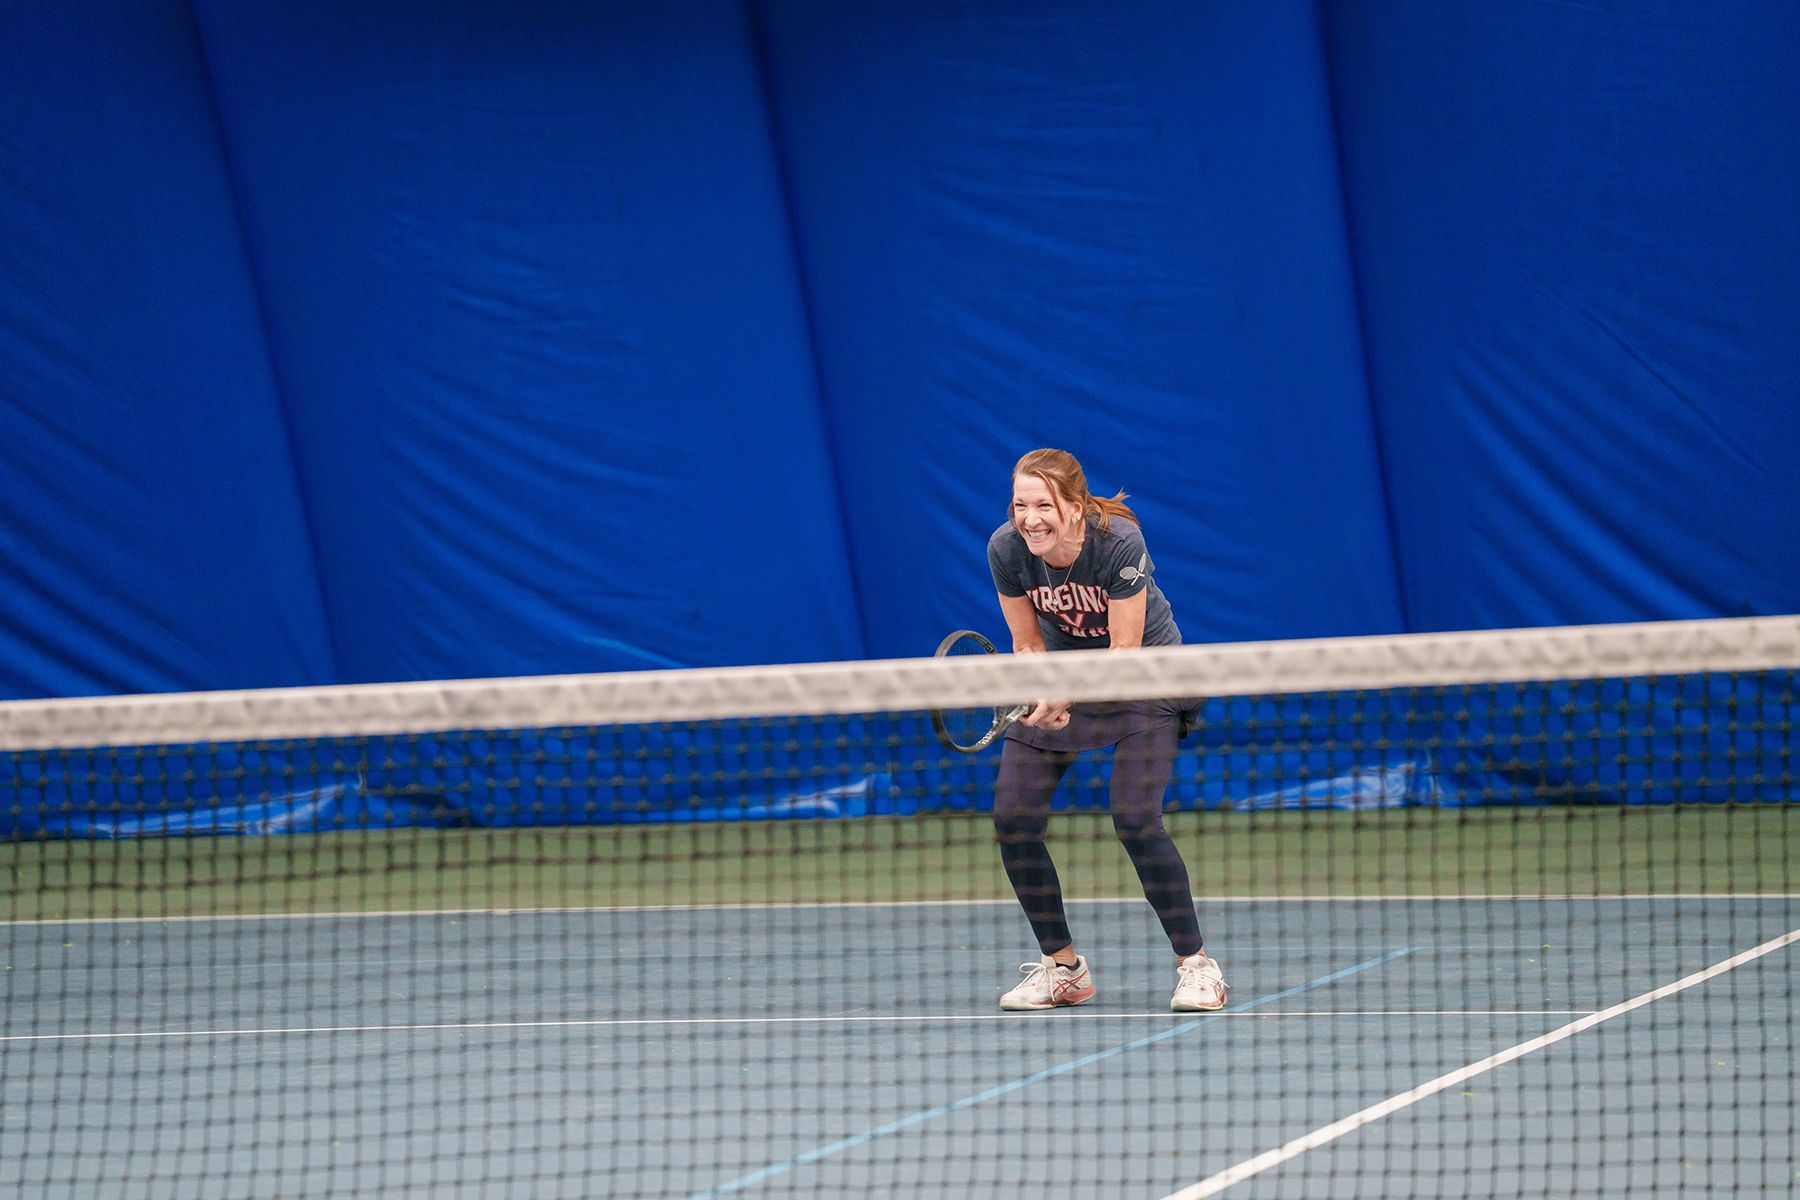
(1026, 224)
(1579, 262)
(538, 293)
(533, 308)
(151, 533)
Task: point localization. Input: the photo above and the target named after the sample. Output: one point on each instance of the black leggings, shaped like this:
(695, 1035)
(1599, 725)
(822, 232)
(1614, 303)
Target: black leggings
(1142, 764)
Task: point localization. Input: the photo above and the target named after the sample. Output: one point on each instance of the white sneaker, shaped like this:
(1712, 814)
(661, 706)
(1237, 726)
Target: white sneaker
(1200, 986)
(1049, 984)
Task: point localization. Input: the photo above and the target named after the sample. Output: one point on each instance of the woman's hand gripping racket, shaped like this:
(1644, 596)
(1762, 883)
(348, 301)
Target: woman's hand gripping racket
(971, 729)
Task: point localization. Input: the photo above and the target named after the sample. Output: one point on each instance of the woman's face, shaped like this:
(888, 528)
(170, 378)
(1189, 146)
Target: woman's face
(1042, 519)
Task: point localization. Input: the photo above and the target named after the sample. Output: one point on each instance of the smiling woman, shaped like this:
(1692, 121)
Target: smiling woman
(1073, 573)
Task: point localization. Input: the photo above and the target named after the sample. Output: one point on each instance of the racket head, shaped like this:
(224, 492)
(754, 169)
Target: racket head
(968, 730)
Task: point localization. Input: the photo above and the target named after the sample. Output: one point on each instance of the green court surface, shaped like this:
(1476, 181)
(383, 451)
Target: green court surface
(1405, 853)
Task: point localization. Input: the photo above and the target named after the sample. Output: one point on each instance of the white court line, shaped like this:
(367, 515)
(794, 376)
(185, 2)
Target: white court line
(1318, 1137)
(808, 904)
(852, 1019)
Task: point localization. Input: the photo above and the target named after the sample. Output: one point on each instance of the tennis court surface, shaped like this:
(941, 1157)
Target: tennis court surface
(1503, 914)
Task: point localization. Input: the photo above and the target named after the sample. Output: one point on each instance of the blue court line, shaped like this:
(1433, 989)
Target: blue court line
(994, 1093)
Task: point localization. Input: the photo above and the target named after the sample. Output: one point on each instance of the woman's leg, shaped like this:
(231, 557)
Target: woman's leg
(1027, 781)
(1142, 765)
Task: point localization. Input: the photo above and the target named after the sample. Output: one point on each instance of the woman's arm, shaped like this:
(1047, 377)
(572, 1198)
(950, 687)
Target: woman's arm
(1125, 620)
(1021, 619)
(1022, 623)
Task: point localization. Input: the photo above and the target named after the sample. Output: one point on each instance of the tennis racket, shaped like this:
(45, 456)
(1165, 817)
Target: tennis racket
(968, 730)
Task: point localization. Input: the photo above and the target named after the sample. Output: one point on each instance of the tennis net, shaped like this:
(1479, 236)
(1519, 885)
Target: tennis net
(1503, 913)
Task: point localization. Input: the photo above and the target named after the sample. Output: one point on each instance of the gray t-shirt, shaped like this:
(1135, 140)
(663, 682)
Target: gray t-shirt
(1072, 602)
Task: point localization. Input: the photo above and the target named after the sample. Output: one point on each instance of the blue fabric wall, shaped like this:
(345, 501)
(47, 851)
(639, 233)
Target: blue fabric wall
(352, 342)
(152, 535)
(1578, 264)
(535, 319)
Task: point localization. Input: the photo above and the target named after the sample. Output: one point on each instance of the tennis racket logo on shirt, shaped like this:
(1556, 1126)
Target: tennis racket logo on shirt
(968, 730)
(1133, 574)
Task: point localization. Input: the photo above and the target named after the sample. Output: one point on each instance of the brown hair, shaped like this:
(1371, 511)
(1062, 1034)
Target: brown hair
(1068, 482)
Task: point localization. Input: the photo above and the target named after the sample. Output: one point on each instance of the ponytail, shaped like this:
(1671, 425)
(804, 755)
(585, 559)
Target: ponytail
(1104, 508)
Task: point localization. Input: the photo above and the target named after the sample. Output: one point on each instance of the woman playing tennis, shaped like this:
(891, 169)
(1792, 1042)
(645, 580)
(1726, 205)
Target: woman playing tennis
(1073, 574)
